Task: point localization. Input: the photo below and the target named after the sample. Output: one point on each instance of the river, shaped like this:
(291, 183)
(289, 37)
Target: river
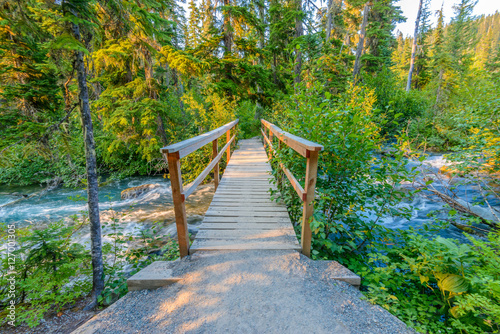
(157, 206)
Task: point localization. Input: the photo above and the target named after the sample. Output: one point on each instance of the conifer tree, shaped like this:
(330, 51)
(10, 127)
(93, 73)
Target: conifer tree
(461, 36)
(438, 55)
(422, 58)
(76, 10)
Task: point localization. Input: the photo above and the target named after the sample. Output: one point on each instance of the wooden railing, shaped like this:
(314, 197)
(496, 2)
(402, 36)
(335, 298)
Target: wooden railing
(174, 153)
(310, 151)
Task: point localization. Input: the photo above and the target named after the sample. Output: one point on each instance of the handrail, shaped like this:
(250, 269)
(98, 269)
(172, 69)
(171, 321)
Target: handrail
(188, 146)
(174, 153)
(310, 150)
(300, 145)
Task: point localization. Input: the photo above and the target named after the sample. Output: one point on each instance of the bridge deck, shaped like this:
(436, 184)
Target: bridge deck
(242, 214)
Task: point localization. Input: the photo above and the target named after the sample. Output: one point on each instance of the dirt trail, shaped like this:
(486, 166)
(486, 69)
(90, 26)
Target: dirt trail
(246, 292)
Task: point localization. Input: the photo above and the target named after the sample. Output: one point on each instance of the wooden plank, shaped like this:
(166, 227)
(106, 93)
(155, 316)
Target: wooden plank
(188, 146)
(246, 234)
(256, 191)
(227, 201)
(251, 194)
(295, 184)
(249, 185)
(246, 213)
(270, 209)
(264, 191)
(257, 182)
(242, 196)
(245, 178)
(216, 204)
(215, 152)
(231, 244)
(241, 226)
(308, 208)
(268, 220)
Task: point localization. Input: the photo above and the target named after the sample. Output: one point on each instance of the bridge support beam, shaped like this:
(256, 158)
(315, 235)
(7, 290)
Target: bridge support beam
(174, 167)
(215, 152)
(311, 176)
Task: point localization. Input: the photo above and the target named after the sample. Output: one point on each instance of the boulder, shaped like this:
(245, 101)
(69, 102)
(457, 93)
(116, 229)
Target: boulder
(135, 192)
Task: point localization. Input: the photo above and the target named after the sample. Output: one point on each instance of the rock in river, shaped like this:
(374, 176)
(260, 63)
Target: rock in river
(135, 192)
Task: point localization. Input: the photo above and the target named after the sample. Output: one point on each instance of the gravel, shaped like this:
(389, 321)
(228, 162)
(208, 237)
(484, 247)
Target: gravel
(246, 292)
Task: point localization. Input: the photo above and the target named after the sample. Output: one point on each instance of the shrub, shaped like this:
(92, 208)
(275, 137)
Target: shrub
(50, 272)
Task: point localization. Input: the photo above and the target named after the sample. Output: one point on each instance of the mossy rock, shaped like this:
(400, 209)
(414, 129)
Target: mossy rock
(135, 192)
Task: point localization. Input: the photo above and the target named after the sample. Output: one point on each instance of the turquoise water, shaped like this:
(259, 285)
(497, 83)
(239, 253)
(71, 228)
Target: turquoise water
(63, 202)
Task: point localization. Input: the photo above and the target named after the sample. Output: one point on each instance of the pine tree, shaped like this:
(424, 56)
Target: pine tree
(75, 11)
(382, 20)
(440, 60)
(193, 34)
(461, 36)
(361, 41)
(422, 62)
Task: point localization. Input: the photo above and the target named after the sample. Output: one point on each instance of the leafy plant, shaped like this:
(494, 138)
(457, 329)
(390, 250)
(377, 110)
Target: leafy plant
(50, 272)
(127, 254)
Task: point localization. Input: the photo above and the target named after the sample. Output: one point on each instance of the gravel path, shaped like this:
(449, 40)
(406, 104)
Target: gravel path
(246, 292)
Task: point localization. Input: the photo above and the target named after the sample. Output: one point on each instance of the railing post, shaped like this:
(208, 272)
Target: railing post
(174, 167)
(228, 150)
(280, 175)
(215, 151)
(311, 176)
(271, 141)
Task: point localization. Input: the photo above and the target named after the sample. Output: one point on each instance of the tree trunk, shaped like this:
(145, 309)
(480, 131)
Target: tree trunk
(275, 77)
(361, 42)
(227, 31)
(329, 20)
(299, 31)
(438, 91)
(414, 47)
(92, 185)
(331, 13)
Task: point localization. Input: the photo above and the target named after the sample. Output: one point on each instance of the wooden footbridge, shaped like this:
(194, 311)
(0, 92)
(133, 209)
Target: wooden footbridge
(242, 214)
(263, 285)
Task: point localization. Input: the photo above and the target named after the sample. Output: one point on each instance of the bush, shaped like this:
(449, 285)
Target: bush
(50, 272)
(53, 272)
(437, 284)
(394, 107)
(122, 260)
(355, 190)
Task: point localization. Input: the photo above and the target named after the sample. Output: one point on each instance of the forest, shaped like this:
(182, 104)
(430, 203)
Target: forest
(91, 90)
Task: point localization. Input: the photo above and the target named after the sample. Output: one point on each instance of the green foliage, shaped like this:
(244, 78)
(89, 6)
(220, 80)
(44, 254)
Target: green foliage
(248, 114)
(355, 189)
(436, 284)
(53, 272)
(131, 253)
(50, 272)
(395, 107)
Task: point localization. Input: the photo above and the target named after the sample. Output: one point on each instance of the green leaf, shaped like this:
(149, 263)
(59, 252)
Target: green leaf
(453, 283)
(424, 279)
(454, 312)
